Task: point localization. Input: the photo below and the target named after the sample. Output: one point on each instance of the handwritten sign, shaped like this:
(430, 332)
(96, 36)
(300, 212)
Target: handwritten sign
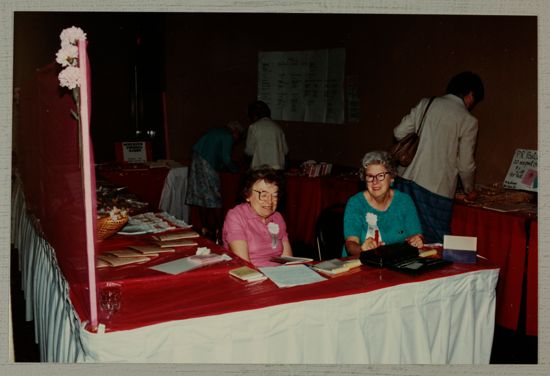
(522, 173)
(303, 85)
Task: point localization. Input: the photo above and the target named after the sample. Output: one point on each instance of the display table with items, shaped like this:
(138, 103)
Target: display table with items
(146, 183)
(163, 186)
(205, 315)
(505, 224)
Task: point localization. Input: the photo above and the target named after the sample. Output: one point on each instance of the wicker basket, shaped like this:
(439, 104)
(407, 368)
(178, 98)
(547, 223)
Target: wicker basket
(106, 226)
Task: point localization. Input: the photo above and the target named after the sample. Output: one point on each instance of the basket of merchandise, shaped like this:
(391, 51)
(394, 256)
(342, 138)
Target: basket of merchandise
(112, 223)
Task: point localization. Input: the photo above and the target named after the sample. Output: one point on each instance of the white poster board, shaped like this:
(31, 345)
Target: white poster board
(522, 173)
(133, 151)
(303, 85)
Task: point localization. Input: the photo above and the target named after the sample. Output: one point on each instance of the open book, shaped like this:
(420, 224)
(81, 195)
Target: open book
(291, 260)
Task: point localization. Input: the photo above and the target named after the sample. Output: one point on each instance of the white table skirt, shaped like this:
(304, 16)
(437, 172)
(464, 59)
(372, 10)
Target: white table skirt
(438, 321)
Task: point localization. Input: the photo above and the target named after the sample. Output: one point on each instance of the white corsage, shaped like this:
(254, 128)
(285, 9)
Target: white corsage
(273, 229)
(372, 224)
(372, 219)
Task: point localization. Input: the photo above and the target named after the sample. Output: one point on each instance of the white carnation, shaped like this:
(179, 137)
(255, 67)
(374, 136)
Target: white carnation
(67, 55)
(372, 219)
(70, 77)
(71, 35)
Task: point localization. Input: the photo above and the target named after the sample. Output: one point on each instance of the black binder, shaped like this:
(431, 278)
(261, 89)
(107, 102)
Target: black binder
(401, 257)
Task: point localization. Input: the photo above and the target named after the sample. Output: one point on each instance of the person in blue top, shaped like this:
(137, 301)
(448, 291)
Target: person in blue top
(379, 215)
(211, 154)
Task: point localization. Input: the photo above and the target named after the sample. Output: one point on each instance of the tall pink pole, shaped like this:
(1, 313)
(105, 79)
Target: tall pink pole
(87, 174)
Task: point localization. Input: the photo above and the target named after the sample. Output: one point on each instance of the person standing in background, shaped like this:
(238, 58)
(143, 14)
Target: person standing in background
(445, 153)
(211, 154)
(265, 140)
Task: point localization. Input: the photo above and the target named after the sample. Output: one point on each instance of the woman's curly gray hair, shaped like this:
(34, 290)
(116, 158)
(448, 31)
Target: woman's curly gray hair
(378, 157)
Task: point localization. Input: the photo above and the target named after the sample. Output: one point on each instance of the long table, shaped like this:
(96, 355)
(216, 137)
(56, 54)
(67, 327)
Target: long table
(206, 316)
(510, 240)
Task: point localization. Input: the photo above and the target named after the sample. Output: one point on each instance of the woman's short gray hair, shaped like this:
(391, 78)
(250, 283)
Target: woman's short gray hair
(378, 157)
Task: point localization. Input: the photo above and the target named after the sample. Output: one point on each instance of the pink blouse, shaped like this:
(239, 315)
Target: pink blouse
(242, 223)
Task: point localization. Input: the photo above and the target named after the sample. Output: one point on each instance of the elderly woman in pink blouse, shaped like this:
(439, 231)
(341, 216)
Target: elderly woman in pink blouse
(254, 230)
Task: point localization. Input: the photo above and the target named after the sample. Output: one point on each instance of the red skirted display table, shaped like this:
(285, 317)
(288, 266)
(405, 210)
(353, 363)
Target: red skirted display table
(508, 240)
(210, 290)
(145, 183)
(207, 316)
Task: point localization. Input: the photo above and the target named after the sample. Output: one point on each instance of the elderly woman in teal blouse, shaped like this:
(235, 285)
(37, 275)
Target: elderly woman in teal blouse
(379, 215)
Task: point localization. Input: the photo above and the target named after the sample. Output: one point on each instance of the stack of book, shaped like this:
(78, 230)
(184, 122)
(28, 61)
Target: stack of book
(134, 254)
(176, 239)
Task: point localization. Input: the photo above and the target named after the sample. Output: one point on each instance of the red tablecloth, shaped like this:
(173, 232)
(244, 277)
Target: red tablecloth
(531, 325)
(150, 296)
(502, 238)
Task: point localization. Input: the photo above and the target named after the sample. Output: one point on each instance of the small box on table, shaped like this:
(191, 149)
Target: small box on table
(461, 249)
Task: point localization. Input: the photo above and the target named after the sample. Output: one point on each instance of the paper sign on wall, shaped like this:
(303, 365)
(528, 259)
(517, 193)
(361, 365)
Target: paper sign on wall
(522, 173)
(303, 85)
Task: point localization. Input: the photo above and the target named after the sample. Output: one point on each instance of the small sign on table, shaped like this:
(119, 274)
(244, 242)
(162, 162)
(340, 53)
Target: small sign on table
(522, 173)
(133, 152)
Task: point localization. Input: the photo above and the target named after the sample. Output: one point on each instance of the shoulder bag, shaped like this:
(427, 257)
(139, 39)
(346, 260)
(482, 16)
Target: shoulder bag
(404, 150)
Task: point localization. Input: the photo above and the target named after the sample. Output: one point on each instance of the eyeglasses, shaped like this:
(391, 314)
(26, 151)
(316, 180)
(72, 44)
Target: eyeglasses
(264, 196)
(379, 177)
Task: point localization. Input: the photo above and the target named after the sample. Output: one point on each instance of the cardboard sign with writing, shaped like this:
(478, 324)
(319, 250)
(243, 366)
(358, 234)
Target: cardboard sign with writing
(522, 173)
(133, 152)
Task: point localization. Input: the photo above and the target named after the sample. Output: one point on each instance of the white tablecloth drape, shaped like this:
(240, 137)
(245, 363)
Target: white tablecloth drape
(437, 321)
(57, 327)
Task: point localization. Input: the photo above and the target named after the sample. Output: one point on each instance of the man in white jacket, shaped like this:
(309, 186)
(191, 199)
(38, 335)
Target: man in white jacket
(445, 152)
(265, 140)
